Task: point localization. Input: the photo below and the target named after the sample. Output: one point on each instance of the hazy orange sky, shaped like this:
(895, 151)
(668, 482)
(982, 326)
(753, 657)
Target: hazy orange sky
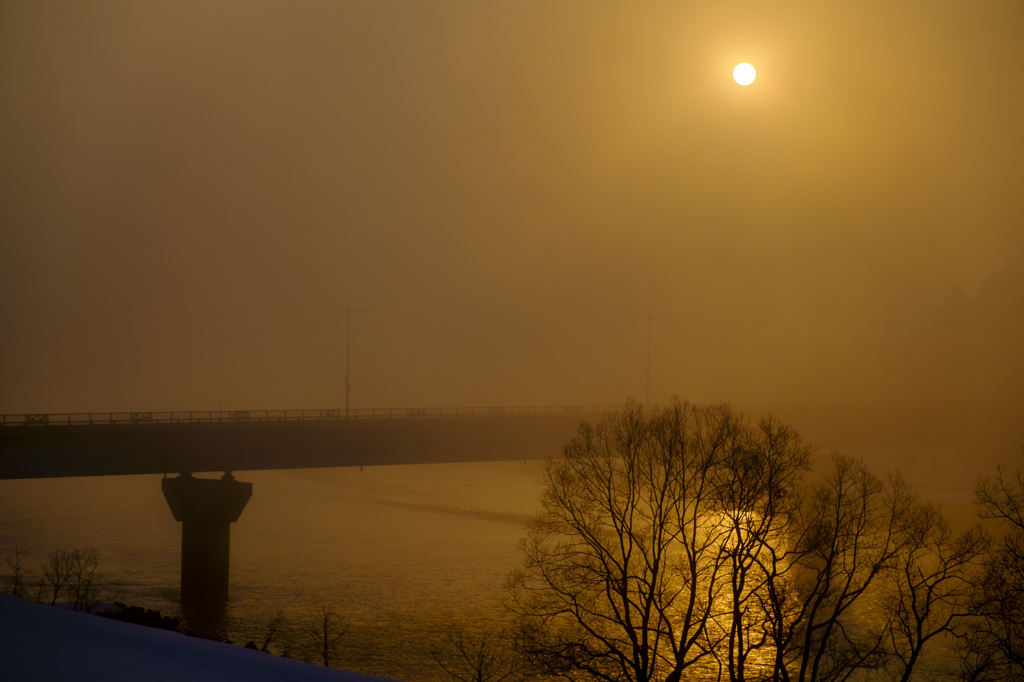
(193, 192)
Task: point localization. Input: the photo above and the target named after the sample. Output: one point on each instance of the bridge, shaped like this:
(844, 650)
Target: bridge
(181, 444)
(98, 444)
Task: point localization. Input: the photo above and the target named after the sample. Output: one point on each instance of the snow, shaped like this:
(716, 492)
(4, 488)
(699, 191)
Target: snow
(47, 644)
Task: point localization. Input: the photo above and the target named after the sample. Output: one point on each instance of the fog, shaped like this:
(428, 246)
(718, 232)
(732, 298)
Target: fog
(537, 202)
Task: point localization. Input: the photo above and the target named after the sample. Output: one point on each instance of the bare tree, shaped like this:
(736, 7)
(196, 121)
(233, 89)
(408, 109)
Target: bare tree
(683, 541)
(72, 574)
(992, 644)
(325, 629)
(761, 484)
(931, 586)
(84, 579)
(272, 628)
(14, 582)
(486, 656)
(855, 528)
(56, 575)
(630, 572)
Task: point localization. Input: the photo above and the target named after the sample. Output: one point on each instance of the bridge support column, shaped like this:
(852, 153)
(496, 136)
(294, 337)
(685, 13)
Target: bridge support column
(206, 508)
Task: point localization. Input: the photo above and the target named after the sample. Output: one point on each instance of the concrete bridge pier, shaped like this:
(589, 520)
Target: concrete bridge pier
(206, 508)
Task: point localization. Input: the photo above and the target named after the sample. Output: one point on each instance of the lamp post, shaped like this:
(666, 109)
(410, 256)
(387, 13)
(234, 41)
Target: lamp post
(348, 349)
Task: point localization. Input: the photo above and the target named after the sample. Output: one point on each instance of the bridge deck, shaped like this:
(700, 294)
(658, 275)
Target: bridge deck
(222, 416)
(93, 444)
(57, 445)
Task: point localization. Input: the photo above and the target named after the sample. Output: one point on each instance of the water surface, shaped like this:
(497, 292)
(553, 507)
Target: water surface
(398, 550)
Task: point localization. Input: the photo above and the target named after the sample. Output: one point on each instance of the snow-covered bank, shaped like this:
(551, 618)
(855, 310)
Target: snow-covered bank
(46, 644)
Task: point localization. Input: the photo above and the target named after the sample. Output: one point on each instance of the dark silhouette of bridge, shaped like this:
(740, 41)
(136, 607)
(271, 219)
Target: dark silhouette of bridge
(92, 444)
(180, 444)
(98, 444)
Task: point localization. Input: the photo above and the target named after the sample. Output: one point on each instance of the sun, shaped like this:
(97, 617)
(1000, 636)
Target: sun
(744, 74)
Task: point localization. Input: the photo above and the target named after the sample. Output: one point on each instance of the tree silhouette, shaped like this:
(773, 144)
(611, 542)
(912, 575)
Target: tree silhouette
(854, 527)
(685, 541)
(484, 656)
(84, 579)
(325, 629)
(14, 582)
(930, 586)
(630, 573)
(992, 644)
(56, 575)
(72, 574)
(760, 486)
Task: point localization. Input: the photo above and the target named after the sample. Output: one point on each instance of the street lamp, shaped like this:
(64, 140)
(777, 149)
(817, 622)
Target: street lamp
(348, 348)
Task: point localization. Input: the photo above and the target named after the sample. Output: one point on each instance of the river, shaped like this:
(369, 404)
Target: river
(398, 550)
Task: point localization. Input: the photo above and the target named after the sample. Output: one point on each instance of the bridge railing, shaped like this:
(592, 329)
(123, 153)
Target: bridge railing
(228, 416)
